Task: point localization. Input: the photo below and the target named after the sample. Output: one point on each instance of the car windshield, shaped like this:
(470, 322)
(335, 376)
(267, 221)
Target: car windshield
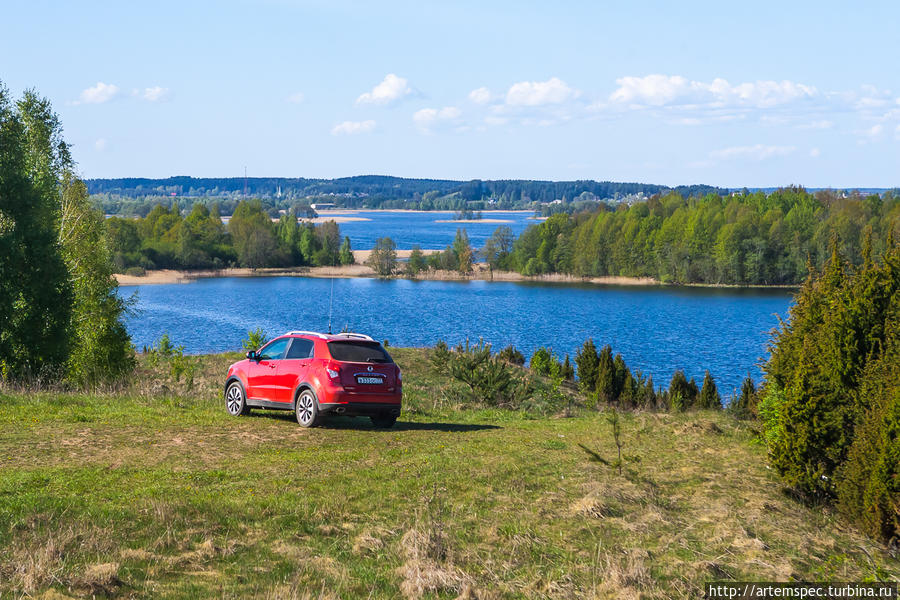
(359, 352)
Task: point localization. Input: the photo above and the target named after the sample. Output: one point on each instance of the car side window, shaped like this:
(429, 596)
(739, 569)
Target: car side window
(300, 348)
(275, 350)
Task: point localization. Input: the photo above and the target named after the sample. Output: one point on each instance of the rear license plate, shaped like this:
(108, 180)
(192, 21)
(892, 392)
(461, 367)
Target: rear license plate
(375, 380)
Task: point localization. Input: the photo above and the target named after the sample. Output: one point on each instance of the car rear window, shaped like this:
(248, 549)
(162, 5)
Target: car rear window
(359, 352)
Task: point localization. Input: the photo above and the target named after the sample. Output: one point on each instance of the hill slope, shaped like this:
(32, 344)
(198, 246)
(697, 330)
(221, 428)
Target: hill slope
(156, 492)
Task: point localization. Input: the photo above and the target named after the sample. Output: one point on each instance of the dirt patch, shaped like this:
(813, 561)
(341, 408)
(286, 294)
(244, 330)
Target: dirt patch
(369, 542)
(591, 507)
(101, 578)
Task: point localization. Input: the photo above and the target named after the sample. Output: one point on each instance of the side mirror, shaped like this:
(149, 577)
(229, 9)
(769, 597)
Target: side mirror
(252, 355)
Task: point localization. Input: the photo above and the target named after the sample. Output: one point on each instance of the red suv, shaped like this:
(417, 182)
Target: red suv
(316, 374)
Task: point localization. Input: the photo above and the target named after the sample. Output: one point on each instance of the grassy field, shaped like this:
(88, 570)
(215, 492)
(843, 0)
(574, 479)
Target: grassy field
(155, 492)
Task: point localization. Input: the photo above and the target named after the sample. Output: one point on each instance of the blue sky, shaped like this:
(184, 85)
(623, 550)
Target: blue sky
(731, 94)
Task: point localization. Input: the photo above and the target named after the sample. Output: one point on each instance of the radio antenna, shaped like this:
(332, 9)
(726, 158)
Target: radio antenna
(330, 305)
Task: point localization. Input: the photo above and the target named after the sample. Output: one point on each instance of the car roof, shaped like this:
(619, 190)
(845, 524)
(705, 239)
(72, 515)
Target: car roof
(331, 337)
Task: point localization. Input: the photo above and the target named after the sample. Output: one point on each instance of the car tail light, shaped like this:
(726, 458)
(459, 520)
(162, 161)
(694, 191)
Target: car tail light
(333, 371)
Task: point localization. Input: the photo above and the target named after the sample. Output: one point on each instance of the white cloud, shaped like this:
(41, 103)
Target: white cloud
(427, 118)
(100, 145)
(296, 98)
(540, 93)
(391, 89)
(822, 124)
(873, 132)
(673, 90)
(757, 152)
(155, 94)
(480, 96)
(98, 94)
(815, 153)
(491, 120)
(353, 127)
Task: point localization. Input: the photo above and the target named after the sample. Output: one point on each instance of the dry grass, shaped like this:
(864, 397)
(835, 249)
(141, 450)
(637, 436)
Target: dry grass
(131, 494)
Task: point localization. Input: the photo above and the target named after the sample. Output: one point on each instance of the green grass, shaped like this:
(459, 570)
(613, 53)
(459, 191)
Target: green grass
(154, 492)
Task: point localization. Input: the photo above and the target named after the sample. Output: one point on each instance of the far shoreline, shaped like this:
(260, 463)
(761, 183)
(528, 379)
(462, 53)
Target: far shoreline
(481, 272)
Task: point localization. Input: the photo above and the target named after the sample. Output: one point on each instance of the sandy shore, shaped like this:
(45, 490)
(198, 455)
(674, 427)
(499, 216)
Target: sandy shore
(473, 221)
(348, 211)
(481, 272)
(336, 219)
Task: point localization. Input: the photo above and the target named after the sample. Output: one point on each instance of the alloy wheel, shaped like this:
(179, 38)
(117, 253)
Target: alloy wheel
(306, 409)
(234, 400)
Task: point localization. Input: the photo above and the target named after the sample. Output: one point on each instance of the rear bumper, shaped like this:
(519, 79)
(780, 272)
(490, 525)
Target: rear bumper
(360, 409)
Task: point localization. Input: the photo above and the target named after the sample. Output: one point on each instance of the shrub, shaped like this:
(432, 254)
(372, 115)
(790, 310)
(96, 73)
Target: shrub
(441, 357)
(167, 355)
(255, 339)
(136, 271)
(544, 362)
(511, 355)
(489, 379)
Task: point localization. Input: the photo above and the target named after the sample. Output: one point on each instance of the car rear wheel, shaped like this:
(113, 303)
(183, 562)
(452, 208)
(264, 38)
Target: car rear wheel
(383, 421)
(306, 410)
(235, 402)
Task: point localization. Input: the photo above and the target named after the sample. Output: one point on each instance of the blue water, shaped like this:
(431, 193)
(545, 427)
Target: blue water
(657, 330)
(409, 228)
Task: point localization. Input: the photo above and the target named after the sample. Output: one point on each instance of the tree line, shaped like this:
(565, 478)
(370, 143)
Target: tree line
(377, 191)
(60, 316)
(166, 239)
(747, 238)
(603, 378)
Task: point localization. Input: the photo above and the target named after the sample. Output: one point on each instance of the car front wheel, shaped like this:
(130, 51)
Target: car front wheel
(306, 410)
(235, 402)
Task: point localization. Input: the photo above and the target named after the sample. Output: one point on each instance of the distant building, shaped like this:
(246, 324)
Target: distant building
(322, 205)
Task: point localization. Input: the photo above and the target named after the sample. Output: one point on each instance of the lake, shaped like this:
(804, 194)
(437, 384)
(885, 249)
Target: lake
(656, 329)
(409, 228)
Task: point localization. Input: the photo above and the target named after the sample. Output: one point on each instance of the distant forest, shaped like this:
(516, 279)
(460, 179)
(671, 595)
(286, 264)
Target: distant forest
(138, 196)
(739, 239)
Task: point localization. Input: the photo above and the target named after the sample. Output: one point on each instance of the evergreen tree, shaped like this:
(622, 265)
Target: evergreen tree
(824, 381)
(709, 394)
(568, 371)
(743, 406)
(621, 375)
(587, 361)
(606, 376)
(682, 393)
